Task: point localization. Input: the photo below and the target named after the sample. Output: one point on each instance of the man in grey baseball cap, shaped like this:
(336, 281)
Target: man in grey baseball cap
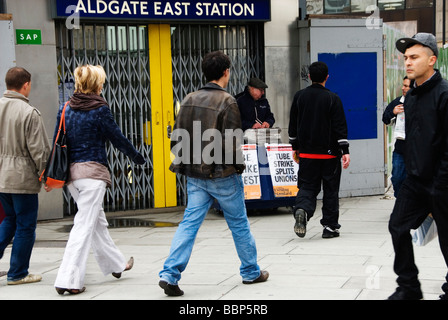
(425, 189)
(425, 39)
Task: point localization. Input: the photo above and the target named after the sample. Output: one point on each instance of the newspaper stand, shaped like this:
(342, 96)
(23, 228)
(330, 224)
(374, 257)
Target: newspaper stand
(270, 178)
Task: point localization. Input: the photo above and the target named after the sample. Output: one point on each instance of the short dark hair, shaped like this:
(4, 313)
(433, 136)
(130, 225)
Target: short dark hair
(318, 71)
(16, 77)
(214, 64)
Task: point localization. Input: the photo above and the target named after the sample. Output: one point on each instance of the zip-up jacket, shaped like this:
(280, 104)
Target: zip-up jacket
(317, 124)
(207, 135)
(24, 145)
(426, 125)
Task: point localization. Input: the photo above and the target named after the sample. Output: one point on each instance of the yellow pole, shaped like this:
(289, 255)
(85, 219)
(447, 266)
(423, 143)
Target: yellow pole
(161, 113)
(168, 111)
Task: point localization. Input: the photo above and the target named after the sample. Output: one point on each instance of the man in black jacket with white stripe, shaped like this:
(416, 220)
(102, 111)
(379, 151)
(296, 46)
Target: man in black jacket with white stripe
(318, 135)
(425, 189)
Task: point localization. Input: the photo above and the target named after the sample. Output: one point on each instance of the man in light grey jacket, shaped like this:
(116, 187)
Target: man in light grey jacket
(24, 150)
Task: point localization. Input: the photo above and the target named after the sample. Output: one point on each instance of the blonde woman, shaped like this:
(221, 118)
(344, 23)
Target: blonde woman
(89, 125)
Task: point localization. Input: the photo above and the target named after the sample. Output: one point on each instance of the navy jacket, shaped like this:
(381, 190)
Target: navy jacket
(251, 110)
(388, 115)
(88, 132)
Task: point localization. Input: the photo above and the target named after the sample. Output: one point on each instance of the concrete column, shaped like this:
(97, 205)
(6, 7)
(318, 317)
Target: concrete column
(41, 62)
(282, 60)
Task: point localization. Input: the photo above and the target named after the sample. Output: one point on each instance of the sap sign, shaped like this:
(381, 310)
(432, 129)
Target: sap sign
(216, 10)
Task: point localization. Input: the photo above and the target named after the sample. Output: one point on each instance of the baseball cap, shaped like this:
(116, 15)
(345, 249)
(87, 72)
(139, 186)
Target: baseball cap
(257, 83)
(425, 39)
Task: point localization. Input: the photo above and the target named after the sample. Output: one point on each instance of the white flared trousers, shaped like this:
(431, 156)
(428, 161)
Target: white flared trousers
(89, 231)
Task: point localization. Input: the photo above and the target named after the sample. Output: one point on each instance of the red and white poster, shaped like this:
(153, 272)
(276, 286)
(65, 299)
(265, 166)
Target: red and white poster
(251, 175)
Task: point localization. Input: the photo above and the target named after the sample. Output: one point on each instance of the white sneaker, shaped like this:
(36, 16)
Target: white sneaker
(330, 232)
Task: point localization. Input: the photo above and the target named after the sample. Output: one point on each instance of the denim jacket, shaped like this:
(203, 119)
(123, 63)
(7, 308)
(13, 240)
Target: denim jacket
(88, 132)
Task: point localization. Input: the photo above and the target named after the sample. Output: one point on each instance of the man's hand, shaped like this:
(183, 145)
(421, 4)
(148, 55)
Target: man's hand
(398, 109)
(345, 161)
(295, 156)
(47, 188)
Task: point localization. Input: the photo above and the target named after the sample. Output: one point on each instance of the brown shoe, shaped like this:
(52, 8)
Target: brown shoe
(264, 275)
(30, 278)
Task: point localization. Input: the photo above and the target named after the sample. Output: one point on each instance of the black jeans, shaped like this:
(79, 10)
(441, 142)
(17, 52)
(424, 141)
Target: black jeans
(312, 174)
(416, 199)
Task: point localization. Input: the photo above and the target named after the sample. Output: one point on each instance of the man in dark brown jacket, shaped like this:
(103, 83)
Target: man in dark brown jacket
(208, 151)
(24, 150)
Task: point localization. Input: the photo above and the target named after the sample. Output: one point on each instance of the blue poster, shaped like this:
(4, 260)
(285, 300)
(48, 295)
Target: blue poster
(353, 77)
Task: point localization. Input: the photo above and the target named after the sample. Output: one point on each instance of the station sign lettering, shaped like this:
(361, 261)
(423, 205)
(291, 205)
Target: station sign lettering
(216, 10)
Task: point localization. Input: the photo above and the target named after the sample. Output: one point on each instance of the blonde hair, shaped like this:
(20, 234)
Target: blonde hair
(89, 79)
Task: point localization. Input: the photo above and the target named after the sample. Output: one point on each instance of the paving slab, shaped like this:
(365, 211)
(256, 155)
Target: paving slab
(355, 266)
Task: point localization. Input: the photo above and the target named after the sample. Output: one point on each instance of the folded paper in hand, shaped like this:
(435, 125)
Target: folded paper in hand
(399, 132)
(425, 233)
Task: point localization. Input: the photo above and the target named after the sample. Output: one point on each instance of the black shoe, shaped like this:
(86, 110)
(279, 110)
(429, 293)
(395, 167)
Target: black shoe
(170, 290)
(401, 294)
(129, 266)
(264, 275)
(301, 219)
(330, 232)
(443, 296)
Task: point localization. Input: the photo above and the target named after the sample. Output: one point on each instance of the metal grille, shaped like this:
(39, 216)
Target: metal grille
(189, 43)
(123, 52)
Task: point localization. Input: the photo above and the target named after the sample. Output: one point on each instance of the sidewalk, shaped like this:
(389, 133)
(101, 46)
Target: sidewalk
(355, 266)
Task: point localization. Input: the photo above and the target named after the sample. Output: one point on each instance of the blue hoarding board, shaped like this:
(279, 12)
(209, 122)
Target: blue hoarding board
(353, 77)
(211, 10)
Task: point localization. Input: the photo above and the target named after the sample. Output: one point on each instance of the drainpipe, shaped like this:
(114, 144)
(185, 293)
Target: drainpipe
(443, 22)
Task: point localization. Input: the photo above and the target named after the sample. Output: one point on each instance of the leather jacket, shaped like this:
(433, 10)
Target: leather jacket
(207, 135)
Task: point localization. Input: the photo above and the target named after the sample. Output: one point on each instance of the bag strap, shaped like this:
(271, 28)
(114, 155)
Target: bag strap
(61, 124)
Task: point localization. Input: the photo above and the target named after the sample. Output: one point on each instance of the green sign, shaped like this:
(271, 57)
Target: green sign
(25, 36)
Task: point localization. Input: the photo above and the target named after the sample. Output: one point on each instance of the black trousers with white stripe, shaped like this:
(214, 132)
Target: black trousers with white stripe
(314, 174)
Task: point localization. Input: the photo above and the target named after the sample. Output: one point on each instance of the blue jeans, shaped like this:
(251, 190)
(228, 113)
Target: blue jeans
(229, 192)
(398, 171)
(20, 223)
